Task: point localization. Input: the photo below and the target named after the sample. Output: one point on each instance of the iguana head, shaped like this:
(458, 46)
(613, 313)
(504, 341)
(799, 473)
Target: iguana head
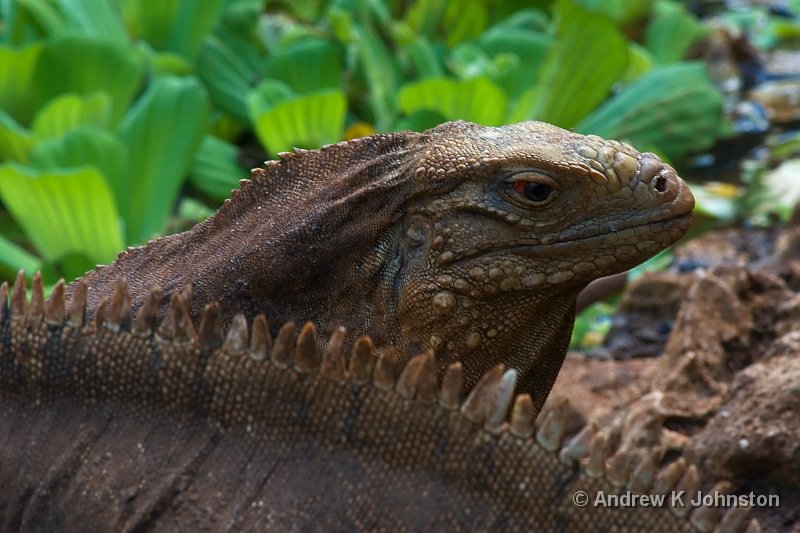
(513, 223)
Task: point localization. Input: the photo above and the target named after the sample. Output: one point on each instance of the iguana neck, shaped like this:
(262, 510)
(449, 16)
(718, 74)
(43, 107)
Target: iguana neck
(304, 240)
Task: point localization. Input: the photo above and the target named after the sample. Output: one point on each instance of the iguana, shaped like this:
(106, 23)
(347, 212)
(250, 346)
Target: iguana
(121, 424)
(471, 241)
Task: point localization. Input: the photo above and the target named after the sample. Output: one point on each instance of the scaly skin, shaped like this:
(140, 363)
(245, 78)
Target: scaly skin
(426, 241)
(122, 426)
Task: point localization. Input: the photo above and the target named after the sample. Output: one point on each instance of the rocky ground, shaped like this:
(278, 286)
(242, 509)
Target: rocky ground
(703, 361)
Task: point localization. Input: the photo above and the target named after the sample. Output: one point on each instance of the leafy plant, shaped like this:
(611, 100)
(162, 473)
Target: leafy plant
(117, 114)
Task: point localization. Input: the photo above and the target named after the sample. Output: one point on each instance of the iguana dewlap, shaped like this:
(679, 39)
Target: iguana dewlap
(468, 240)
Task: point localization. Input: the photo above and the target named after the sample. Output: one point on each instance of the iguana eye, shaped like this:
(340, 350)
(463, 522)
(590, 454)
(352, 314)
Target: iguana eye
(532, 188)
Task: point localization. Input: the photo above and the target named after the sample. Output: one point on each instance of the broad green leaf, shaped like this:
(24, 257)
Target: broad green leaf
(622, 12)
(16, 78)
(308, 121)
(215, 169)
(87, 145)
(424, 59)
(228, 75)
(65, 112)
(162, 131)
(307, 66)
(63, 212)
(671, 32)
(15, 141)
(13, 258)
(28, 21)
(85, 65)
(674, 108)
(577, 73)
(464, 20)
(176, 25)
(267, 95)
(477, 100)
(420, 120)
(529, 47)
(96, 18)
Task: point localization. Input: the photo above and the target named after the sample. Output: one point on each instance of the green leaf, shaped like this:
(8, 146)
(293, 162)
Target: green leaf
(97, 18)
(577, 73)
(674, 108)
(464, 20)
(87, 145)
(15, 141)
(424, 59)
(308, 121)
(622, 12)
(85, 65)
(267, 95)
(215, 169)
(176, 25)
(16, 79)
(477, 100)
(529, 47)
(30, 20)
(162, 131)
(671, 32)
(63, 213)
(13, 258)
(307, 66)
(68, 111)
(228, 75)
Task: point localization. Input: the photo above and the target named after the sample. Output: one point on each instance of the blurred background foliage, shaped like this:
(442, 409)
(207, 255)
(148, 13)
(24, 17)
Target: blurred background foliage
(123, 120)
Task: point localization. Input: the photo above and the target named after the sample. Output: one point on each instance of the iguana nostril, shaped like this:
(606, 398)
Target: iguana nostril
(660, 184)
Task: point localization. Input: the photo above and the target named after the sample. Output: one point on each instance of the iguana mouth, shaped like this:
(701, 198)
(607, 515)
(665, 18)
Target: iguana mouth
(536, 248)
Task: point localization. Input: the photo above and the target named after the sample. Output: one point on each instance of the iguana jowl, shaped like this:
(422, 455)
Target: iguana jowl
(468, 240)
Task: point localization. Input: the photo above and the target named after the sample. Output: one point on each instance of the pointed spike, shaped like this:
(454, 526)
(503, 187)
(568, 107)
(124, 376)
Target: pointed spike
(551, 431)
(644, 474)
(452, 386)
(119, 313)
(505, 392)
(281, 354)
(706, 518)
(407, 382)
(19, 297)
(260, 339)
(754, 527)
(669, 476)
(77, 306)
(37, 297)
(734, 519)
(209, 333)
(427, 382)
(596, 467)
(306, 353)
(147, 316)
(333, 359)
(383, 375)
(236, 341)
(578, 446)
(522, 420)
(361, 360)
(479, 401)
(102, 312)
(618, 468)
(179, 322)
(55, 309)
(3, 301)
(689, 484)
